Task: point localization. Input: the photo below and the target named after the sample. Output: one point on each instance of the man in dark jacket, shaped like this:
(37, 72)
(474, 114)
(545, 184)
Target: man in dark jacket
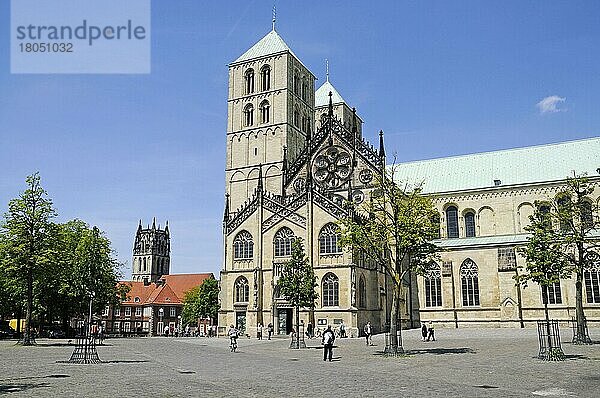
(328, 339)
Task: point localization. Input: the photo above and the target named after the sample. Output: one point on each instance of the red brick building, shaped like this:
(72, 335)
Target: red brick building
(151, 307)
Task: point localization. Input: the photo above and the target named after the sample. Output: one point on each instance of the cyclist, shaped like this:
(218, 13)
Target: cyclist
(233, 334)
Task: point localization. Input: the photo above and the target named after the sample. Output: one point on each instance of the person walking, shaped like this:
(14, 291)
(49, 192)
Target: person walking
(259, 330)
(327, 340)
(342, 330)
(368, 332)
(233, 334)
(309, 330)
(270, 330)
(423, 332)
(431, 334)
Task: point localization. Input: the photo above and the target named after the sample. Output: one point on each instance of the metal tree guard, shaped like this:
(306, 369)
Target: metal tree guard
(583, 337)
(389, 350)
(549, 340)
(298, 338)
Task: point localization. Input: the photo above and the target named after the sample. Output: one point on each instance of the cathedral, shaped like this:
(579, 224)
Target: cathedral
(295, 154)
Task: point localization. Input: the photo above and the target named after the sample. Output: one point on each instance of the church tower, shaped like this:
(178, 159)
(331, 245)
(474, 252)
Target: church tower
(271, 104)
(151, 253)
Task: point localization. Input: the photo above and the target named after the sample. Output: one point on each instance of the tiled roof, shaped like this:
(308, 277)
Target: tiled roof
(181, 283)
(543, 163)
(272, 43)
(171, 292)
(322, 95)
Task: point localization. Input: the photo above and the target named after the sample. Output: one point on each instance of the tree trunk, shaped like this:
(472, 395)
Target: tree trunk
(581, 336)
(297, 327)
(548, 324)
(27, 340)
(395, 322)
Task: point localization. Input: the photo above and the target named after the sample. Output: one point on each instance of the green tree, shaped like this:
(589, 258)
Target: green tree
(562, 242)
(28, 233)
(201, 302)
(395, 229)
(297, 283)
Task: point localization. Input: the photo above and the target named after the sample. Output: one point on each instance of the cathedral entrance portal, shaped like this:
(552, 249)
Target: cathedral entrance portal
(240, 321)
(284, 316)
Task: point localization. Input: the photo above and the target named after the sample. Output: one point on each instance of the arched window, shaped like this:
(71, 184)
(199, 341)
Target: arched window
(328, 239)
(296, 118)
(248, 115)
(249, 79)
(544, 209)
(265, 77)
(264, 111)
(331, 290)
(551, 294)
(145, 269)
(470, 224)
(587, 217)
(304, 89)
(435, 222)
(591, 276)
(452, 221)
(469, 278)
(433, 286)
(283, 242)
(242, 290)
(563, 204)
(296, 83)
(243, 246)
(362, 292)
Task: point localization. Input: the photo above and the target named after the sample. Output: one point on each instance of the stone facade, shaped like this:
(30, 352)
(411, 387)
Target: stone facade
(288, 172)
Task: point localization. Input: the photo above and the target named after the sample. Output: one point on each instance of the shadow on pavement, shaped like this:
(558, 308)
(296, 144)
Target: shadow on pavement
(435, 351)
(8, 388)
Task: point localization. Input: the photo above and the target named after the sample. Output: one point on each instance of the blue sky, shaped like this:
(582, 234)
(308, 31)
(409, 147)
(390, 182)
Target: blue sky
(440, 78)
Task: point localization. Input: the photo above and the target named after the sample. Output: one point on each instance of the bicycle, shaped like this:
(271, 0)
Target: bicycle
(233, 344)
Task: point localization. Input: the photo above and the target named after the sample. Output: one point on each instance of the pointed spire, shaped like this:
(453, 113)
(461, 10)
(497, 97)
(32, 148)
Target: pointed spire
(284, 170)
(226, 212)
(274, 16)
(330, 109)
(140, 225)
(167, 227)
(260, 181)
(153, 222)
(381, 147)
(326, 70)
(354, 134)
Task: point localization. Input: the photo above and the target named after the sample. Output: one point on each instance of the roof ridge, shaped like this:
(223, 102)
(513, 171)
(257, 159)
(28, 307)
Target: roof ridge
(505, 150)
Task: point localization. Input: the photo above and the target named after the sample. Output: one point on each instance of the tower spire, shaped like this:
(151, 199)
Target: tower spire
(260, 182)
(381, 149)
(326, 70)
(274, 16)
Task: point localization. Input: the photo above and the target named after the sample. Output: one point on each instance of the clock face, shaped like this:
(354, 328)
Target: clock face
(365, 176)
(331, 167)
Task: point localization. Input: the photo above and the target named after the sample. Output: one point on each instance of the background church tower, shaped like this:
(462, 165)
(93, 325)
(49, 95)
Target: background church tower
(270, 107)
(151, 253)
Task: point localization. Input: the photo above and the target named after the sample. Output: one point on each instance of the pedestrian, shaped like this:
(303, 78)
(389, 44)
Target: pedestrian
(423, 332)
(431, 334)
(309, 330)
(101, 334)
(342, 330)
(328, 339)
(270, 330)
(259, 330)
(368, 332)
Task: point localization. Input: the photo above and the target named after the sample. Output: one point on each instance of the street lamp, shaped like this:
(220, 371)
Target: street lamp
(161, 312)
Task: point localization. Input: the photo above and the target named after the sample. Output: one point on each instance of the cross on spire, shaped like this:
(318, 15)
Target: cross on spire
(274, 15)
(327, 69)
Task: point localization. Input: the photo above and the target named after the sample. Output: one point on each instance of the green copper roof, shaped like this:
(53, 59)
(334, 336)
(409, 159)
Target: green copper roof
(272, 43)
(543, 163)
(322, 95)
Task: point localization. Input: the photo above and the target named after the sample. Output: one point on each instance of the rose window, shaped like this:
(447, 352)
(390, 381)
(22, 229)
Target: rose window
(332, 167)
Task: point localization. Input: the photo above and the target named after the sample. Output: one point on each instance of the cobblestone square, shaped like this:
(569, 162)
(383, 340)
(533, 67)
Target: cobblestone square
(462, 362)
